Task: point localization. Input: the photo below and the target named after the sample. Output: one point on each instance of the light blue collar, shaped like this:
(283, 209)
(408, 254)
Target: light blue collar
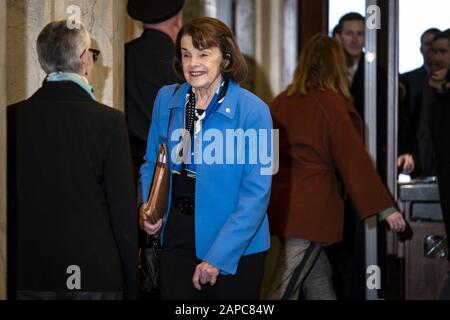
(74, 77)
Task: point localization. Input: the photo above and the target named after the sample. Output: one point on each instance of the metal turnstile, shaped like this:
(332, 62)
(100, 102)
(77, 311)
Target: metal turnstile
(425, 244)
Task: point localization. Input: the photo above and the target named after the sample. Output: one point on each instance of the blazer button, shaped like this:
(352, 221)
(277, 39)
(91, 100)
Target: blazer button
(228, 110)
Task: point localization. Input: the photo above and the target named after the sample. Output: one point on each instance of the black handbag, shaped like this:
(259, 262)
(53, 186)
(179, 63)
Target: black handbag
(149, 264)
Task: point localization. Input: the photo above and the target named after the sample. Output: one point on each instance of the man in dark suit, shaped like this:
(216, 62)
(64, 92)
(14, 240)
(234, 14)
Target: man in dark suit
(440, 119)
(414, 113)
(148, 66)
(350, 32)
(73, 203)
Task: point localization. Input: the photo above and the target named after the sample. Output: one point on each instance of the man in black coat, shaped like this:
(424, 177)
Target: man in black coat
(148, 66)
(414, 111)
(440, 82)
(350, 32)
(72, 195)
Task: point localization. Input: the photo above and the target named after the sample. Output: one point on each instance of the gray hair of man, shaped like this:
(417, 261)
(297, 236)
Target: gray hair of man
(60, 47)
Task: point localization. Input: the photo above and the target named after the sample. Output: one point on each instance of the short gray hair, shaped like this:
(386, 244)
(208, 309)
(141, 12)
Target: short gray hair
(59, 47)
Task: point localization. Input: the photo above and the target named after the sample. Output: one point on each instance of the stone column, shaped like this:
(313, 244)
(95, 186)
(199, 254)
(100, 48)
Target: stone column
(3, 150)
(290, 40)
(105, 22)
(117, 38)
(193, 9)
(267, 32)
(269, 48)
(245, 26)
(220, 9)
(133, 28)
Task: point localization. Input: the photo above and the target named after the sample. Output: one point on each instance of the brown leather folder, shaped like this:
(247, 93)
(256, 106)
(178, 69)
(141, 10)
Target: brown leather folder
(158, 199)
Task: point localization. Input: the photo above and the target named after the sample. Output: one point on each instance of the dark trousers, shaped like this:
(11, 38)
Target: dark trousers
(178, 263)
(347, 258)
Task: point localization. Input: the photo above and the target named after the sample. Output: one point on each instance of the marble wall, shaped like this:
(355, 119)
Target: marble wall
(221, 9)
(267, 34)
(133, 28)
(197, 8)
(104, 20)
(2, 151)
(269, 48)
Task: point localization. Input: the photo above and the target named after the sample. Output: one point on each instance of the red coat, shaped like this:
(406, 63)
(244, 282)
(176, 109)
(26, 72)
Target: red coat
(320, 137)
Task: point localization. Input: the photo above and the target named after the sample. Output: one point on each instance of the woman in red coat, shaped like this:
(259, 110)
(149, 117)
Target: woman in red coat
(321, 149)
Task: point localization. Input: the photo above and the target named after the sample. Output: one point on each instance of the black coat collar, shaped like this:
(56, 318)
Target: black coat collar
(61, 90)
(157, 36)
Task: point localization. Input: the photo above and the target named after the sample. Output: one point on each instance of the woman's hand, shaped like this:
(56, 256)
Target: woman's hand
(205, 273)
(151, 229)
(396, 222)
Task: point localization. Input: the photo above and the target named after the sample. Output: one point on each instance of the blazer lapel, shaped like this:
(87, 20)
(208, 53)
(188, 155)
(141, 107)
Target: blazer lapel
(176, 118)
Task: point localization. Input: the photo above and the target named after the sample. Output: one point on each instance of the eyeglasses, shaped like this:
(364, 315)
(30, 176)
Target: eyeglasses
(95, 54)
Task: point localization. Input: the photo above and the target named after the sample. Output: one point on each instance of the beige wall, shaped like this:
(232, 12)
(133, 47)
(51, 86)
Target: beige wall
(2, 150)
(104, 20)
(133, 28)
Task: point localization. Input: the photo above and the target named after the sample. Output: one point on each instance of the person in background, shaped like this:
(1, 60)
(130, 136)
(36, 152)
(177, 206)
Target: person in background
(335, 33)
(440, 118)
(414, 112)
(350, 33)
(73, 199)
(148, 66)
(216, 230)
(320, 138)
(348, 256)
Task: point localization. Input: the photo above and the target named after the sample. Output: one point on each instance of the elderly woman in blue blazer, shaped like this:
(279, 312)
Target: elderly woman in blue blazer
(215, 233)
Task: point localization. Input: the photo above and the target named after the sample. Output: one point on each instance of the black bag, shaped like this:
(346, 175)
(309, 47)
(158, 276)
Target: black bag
(149, 264)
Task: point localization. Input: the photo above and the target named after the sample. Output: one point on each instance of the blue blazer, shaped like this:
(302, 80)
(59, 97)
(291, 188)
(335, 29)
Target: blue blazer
(230, 199)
